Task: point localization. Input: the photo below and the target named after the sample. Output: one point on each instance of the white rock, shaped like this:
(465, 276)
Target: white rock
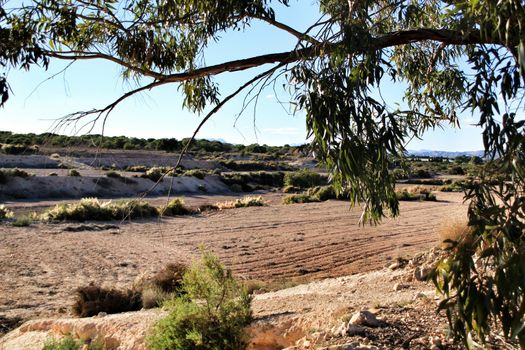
(364, 318)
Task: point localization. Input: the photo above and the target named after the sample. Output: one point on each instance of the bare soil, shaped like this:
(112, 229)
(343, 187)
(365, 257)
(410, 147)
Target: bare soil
(41, 265)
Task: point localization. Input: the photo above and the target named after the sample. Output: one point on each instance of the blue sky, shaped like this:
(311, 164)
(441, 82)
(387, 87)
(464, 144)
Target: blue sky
(35, 101)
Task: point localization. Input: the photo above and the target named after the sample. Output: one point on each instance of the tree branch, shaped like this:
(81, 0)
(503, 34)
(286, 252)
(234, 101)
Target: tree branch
(449, 37)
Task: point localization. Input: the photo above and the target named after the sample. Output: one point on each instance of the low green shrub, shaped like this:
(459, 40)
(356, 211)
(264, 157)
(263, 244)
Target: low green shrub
(70, 343)
(137, 168)
(73, 172)
(236, 188)
(91, 300)
(300, 198)
(415, 194)
(113, 174)
(208, 207)
(198, 173)
(244, 202)
(5, 213)
(304, 179)
(156, 173)
(247, 181)
(18, 149)
(93, 209)
(212, 313)
(175, 207)
(22, 221)
(456, 186)
(291, 189)
(6, 173)
(433, 182)
(456, 170)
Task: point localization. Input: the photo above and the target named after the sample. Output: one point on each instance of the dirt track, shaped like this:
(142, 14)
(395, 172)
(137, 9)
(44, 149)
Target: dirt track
(41, 265)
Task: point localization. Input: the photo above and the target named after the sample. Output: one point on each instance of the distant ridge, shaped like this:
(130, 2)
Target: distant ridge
(445, 154)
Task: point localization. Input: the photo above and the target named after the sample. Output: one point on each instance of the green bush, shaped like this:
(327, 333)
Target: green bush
(175, 207)
(198, 173)
(137, 168)
(211, 314)
(246, 180)
(19, 149)
(244, 202)
(113, 174)
(156, 173)
(300, 198)
(93, 209)
(417, 194)
(73, 172)
(303, 179)
(5, 213)
(6, 173)
(324, 193)
(70, 343)
(22, 221)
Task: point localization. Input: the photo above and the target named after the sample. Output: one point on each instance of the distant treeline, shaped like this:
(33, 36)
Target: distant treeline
(134, 143)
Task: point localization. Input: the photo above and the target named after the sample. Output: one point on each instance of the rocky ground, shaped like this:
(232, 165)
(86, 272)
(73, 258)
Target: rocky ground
(385, 309)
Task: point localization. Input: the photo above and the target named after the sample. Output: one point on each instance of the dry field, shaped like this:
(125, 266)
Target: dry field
(41, 265)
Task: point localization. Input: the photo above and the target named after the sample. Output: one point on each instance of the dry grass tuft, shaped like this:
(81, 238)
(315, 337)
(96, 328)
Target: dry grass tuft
(91, 300)
(248, 201)
(169, 279)
(453, 232)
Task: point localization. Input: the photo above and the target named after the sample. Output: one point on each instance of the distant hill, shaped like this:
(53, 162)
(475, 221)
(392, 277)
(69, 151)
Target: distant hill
(446, 154)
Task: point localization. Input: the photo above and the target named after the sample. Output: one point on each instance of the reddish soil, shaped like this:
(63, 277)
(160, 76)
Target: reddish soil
(41, 265)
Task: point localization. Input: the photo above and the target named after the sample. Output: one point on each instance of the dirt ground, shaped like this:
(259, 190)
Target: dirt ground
(41, 265)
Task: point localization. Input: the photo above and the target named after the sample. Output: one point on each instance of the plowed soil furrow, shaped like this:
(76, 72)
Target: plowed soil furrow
(41, 265)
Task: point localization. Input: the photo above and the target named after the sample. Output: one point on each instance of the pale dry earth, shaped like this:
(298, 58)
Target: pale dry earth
(42, 265)
(308, 316)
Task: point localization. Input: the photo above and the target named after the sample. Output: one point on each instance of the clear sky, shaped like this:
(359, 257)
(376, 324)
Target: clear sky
(35, 101)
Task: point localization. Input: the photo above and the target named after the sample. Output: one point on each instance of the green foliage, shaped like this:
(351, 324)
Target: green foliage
(137, 168)
(73, 172)
(93, 209)
(303, 179)
(300, 198)
(156, 173)
(253, 165)
(415, 195)
(6, 173)
(457, 170)
(91, 300)
(247, 182)
(448, 56)
(113, 174)
(244, 202)
(22, 221)
(5, 213)
(327, 192)
(211, 314)
(18, 149)
(198, 173)
(70, 343)
(483, 280)
(175, 207)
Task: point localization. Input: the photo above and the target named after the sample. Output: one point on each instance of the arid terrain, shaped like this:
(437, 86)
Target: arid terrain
(43, 264)
(276, 245)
